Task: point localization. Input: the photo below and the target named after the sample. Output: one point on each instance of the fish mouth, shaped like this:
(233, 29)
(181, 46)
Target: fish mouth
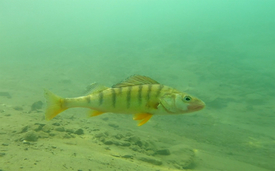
(196, 107)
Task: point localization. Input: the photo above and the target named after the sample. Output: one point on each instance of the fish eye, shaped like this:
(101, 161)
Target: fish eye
(187, 98)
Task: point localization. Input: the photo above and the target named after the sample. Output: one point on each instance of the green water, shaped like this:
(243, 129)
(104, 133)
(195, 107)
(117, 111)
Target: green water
(222, 51)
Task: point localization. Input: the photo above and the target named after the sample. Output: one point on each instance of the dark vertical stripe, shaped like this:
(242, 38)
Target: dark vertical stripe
(114, 97)
(100, 98)
(120, 90)
(149, 91)
(88, 99)
(140, 94)
(159, 89)
(129, 96)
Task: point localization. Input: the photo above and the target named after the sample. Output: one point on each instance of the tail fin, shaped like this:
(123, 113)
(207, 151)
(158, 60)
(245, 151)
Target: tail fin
(55, 105)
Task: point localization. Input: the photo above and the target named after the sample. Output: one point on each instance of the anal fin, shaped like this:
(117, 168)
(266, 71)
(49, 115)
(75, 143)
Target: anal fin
(93, 113)
(143, 117)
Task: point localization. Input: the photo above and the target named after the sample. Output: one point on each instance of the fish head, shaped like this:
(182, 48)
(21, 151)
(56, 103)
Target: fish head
(179, 103)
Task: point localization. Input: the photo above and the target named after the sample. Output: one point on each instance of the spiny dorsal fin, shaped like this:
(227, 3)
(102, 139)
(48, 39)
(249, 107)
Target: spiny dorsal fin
(135, 80)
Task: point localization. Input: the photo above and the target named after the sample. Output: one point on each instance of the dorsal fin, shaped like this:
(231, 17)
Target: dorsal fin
(135, 80)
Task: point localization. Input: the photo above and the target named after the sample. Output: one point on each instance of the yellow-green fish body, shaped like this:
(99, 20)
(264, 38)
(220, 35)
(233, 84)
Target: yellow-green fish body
(137, 95)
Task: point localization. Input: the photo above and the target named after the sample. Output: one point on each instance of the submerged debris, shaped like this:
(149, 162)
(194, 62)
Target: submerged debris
(31, 136)
(36, 106)
(18, 108)
(5, 94)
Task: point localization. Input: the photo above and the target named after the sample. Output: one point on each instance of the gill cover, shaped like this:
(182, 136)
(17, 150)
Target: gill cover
(173, 103)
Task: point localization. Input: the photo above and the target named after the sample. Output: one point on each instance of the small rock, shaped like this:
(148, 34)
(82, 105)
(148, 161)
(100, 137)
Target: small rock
(122, 143)
(36, 106)
(5, 94)
(56, 124)
(105, 119)
(19, 108)
(96, 129)
(26, 142)
(139, 143)
(108, 142)
(115, 154)
(151, 160)
(24, 129)
(135, 148)
(60, 129)
(31, 136)
(106, 133)
(70, 130)
(186, 160)
(52, 134)
(165, 152)
(99, 135)
(40, 124)
(43, 135)
(79, 132)
(118, 136)
(46, 129)
(65, 80)
(38, 127)
(68, 136)
(133, 139)
(113, 125)
(127, 156)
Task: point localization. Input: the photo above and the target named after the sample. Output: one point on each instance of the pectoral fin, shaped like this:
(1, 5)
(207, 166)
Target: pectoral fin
(144, 117)
(93, 113)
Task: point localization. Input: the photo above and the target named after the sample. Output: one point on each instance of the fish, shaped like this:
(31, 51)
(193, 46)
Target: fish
(138, 95)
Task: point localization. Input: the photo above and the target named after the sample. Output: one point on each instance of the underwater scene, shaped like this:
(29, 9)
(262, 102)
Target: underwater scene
(127, 85)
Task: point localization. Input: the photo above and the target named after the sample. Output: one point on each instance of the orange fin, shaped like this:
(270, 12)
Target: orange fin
(144, 117)
(93, 113)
